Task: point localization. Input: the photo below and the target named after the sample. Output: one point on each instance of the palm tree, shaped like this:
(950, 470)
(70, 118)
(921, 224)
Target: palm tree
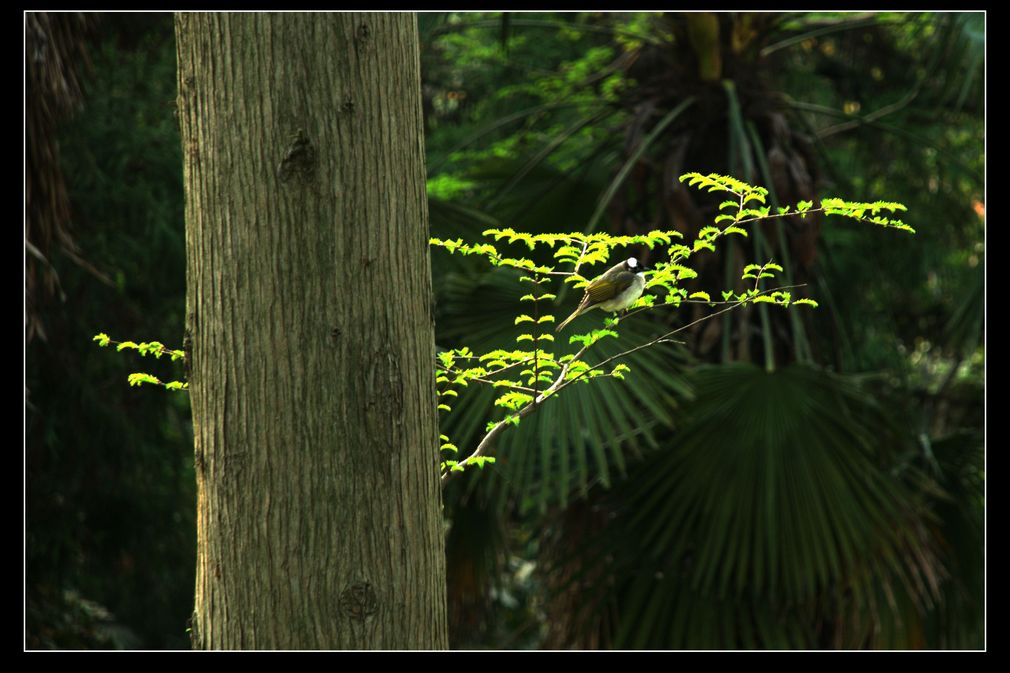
(721, 503)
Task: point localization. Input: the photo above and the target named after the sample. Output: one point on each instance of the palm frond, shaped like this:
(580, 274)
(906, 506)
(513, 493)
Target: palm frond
(777, 496)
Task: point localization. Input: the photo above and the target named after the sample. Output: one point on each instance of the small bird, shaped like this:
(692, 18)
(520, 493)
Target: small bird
(617, 289)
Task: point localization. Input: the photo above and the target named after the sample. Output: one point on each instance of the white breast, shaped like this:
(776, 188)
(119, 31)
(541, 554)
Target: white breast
(626, 298)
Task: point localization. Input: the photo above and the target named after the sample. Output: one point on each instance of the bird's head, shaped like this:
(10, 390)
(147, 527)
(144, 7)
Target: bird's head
(634, 266)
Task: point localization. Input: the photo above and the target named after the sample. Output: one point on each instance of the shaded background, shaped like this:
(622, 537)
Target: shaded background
(783, 479)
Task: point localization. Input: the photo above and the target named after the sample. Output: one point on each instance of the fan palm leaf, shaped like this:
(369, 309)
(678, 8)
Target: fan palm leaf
(809, 519)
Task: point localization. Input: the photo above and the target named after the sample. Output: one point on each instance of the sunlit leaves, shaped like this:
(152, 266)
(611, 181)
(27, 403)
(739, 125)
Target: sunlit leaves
(513, 400)
(550, 260)
(759, 271)
(153, 348)
(480, 461)
(139, 378)
(619, 370)
(592, 337)
(722, 183)
(867, 212)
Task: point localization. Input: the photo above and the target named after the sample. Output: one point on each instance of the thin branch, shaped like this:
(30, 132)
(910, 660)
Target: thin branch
(578, 262)
(495, 384)
(666, 337)
(502, 261)
(176, 354)
(487, 443)
(702, 301)
(438, 363)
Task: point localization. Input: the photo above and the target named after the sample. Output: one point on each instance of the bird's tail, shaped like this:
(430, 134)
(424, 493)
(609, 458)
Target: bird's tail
(567, 320)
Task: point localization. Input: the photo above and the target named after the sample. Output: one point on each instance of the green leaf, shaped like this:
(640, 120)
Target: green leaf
(700, 295)
(102, 339)
(138, 378)
(479, 461)
(619, 370)
(513, 400)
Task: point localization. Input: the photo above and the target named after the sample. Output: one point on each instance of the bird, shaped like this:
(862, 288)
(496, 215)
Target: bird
(617, 289)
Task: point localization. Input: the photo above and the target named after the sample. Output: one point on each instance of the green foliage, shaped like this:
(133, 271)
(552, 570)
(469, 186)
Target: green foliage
(864, 212)
(892, 104)
(155, 348)
(883, 104)
(804, 511)
(548, 372)
(110, 503)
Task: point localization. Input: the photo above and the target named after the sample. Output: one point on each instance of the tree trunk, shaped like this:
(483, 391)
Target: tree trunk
(309, 333)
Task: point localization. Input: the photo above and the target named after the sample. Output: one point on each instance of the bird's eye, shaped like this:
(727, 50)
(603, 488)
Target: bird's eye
(632, 262)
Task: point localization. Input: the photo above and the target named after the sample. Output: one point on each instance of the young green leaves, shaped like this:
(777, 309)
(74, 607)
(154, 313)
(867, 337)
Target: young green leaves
(154, 348)
(538, 368)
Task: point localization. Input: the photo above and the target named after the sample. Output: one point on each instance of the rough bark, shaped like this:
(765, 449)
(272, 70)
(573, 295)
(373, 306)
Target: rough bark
(309, 333)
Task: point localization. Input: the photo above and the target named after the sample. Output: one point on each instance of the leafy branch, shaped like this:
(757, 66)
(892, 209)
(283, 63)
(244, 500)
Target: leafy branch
(153, 348)
(571, 254)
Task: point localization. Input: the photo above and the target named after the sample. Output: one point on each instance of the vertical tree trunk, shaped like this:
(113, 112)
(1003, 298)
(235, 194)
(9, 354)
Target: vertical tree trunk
(309, 333)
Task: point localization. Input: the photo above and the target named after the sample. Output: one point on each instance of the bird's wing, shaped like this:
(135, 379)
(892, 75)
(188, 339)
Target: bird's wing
(604, 289)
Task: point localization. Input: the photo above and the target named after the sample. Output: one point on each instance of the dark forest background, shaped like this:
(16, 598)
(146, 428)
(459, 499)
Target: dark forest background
(783, 479)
